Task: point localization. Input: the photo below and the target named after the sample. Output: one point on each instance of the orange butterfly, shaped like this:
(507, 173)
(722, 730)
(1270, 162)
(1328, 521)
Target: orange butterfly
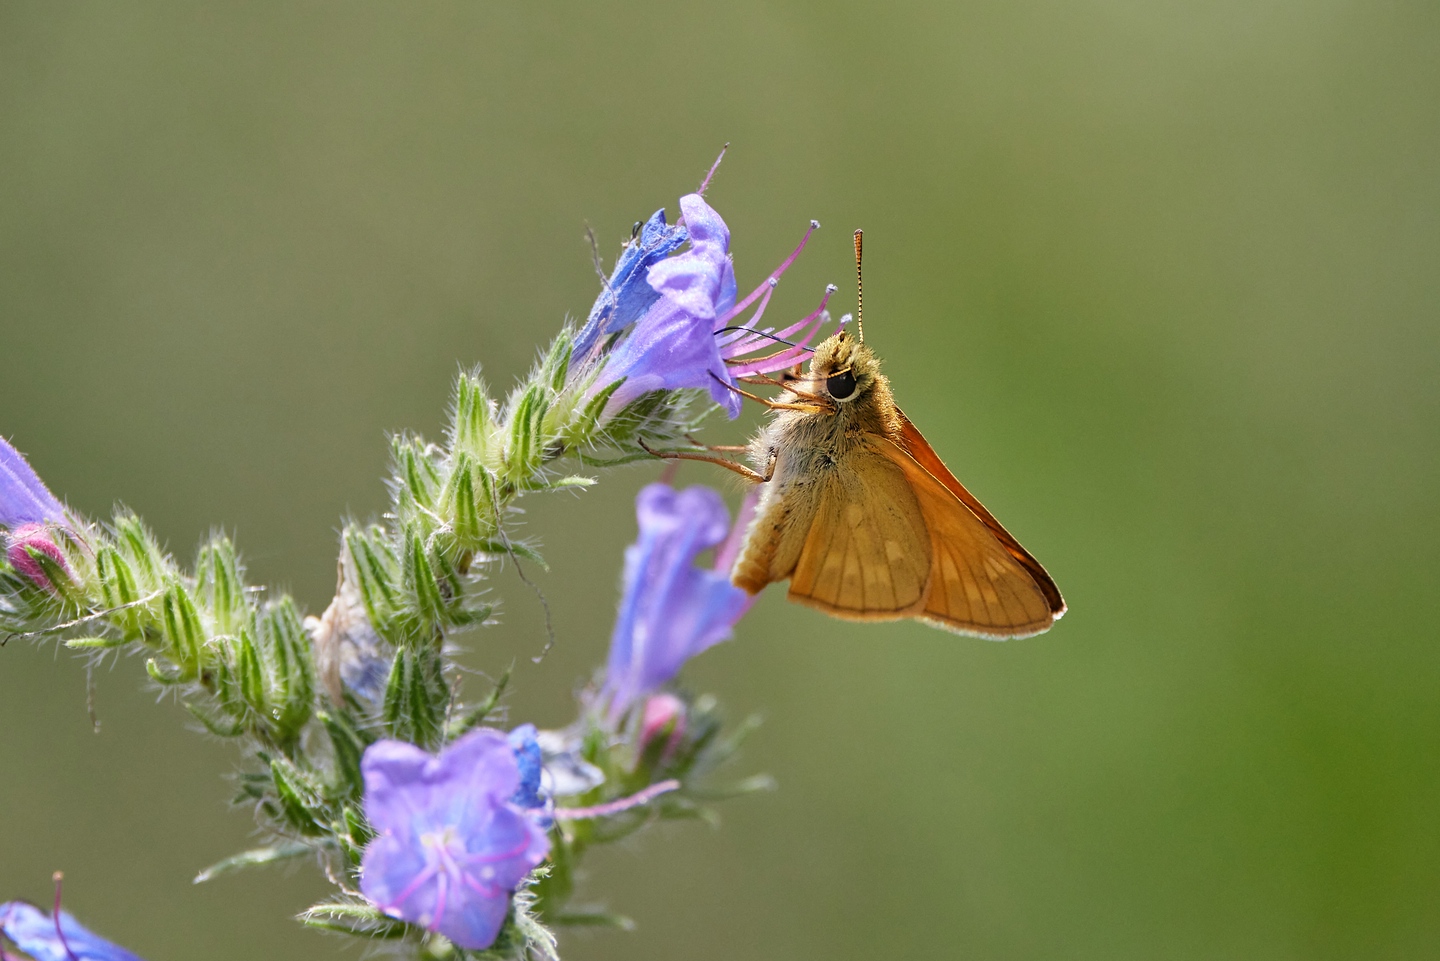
(867, 523)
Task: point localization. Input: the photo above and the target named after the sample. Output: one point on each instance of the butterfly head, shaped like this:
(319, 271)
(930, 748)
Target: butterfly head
(844, 367)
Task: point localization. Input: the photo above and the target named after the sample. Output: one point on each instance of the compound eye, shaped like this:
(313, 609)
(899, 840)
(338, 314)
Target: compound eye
(841, 385)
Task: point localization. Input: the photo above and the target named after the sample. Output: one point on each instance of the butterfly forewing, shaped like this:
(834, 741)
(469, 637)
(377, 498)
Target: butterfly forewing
(976, 586)
(913, 443)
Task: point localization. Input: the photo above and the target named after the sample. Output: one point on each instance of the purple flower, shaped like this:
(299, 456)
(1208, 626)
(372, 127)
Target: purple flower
(680, 340)
(671, 609)
(452, 845)
(32, 513)
(33, 932)
(626, 295)
(24, 499)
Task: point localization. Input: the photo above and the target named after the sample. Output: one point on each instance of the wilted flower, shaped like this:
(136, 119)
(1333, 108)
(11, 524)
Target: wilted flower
(32, 513)
(452, 844)
(349, 652)
(34, 932)
(671, 609)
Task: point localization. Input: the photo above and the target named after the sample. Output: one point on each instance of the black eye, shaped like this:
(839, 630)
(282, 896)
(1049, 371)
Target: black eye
(841, 385)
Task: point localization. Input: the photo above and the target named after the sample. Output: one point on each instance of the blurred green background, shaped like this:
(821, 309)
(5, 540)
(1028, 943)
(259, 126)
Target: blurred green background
(1159, 280)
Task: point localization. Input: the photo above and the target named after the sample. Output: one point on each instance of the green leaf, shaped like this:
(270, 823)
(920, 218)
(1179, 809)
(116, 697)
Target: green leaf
(252, 858)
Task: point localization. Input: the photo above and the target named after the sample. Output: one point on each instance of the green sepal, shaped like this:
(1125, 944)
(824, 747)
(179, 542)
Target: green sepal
(299, 799)
(582, 430)
(95, 643)
(539, 483)
(415, 697)
(556, 367)
(348, 746)
(471, 718)
(356, 917)
(184, 634)
(473, 428)
(226, 727)
(118, 590)
(415, 469)
(290, 672)
(160, 675)
(220, 585)
(253, 858)
(378, 576)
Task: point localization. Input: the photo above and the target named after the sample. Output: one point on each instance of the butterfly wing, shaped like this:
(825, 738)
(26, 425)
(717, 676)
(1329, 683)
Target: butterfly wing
(912, 443)
(866, 554)
(881, 536)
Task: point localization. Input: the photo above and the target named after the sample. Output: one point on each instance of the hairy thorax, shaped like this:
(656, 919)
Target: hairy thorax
(801, 449)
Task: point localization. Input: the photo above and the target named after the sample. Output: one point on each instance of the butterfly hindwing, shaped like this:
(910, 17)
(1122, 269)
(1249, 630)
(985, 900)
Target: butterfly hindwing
(866, 554)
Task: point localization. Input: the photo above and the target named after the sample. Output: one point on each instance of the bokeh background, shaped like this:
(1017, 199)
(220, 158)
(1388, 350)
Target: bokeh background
(1159, 280)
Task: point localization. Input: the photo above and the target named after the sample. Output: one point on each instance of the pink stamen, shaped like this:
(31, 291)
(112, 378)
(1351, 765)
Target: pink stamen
(813, 321)
(514, 852)
(58, 877)
(623, 804)
(411, 888)
(713, 167)
(730, 338)
(440, 898)
(766, 285)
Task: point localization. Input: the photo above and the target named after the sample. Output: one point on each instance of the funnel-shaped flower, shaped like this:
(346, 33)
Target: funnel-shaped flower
(452, 845)
(24, 499)
(34, 932)
(627, 295)
(671, 609)
(31, 512)
(681, 338)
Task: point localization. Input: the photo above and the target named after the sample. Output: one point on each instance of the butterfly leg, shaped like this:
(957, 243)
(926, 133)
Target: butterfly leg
(730, 465)
(718, 448)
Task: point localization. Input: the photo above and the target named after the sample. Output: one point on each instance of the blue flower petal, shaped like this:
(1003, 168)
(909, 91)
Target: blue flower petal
(627, 295)
(24, 498)
(33, 932)
(451, 847)
(670, 609)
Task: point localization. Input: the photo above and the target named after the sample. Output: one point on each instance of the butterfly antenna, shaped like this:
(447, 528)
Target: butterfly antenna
(859, 288)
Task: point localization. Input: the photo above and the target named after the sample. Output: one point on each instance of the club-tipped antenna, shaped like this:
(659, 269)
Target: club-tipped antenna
(859, 289)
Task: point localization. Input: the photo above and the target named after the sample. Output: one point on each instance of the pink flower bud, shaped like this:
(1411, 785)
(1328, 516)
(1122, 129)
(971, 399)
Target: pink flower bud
(34, 538)
(662, 712)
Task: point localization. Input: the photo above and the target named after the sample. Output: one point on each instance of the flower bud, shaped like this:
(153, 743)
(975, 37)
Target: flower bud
(664, 716)
(24, 548)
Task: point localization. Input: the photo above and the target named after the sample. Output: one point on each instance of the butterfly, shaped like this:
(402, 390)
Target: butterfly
(864, 519)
